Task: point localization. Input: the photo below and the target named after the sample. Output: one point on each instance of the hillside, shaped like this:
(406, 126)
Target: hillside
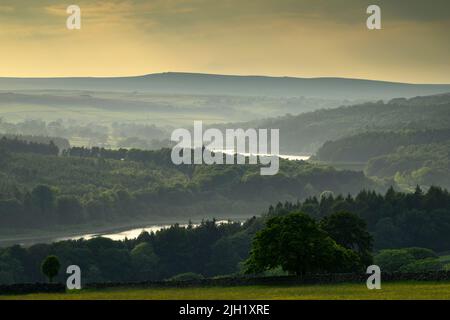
(85, 185)
(306, 133)
(411, 165)
(364, 146)
(410, 155)
(210, 84)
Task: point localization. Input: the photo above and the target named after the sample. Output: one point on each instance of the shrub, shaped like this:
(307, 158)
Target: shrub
(392, 260)
(423, 265)
(421, 253)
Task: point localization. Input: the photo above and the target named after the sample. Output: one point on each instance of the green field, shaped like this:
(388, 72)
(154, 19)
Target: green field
(389, 291)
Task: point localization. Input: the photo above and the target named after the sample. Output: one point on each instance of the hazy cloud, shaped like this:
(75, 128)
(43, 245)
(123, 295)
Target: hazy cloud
(278, 37)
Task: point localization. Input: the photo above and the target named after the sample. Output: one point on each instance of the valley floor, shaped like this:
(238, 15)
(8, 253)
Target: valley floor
(356, 291)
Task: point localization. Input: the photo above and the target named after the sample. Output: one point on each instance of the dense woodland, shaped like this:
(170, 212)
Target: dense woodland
(395, 219)
(425, 165)
(408, 158)
(40, 189)
(365, 146)
(23, 146)
(61, 143)
(392, 220)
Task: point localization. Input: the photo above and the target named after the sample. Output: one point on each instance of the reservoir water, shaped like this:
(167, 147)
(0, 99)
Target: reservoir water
(131, 233)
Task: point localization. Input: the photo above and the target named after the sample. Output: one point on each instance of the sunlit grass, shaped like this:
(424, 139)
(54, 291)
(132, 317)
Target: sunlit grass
(389, 291)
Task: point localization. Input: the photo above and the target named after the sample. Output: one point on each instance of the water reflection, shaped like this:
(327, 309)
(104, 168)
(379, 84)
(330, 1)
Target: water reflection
(133, 233)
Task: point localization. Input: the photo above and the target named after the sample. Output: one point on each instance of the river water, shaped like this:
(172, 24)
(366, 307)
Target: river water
(131, 233)
(282, 156)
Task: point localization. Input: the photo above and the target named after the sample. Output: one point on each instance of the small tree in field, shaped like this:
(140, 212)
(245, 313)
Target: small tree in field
(50, 267)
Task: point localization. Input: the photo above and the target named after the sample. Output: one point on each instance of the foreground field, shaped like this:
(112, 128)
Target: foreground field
(389, 291)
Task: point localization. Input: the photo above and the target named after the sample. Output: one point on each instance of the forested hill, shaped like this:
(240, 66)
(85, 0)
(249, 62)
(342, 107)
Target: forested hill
(409, 158)
(40, 189)
(209, 84)
(364, 146)
(417, 164)
(416, 154)
(307, 132)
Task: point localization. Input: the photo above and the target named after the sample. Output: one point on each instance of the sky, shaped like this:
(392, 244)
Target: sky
(300, 38)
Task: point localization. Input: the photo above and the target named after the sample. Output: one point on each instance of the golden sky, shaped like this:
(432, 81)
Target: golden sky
(304, 38)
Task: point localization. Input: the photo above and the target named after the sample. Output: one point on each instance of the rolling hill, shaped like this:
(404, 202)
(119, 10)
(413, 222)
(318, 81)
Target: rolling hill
(209, 84)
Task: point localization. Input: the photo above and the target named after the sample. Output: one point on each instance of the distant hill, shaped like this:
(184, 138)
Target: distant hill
(208, 84)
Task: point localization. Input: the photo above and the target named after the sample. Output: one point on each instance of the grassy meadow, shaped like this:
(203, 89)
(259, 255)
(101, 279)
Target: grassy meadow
(410, 290)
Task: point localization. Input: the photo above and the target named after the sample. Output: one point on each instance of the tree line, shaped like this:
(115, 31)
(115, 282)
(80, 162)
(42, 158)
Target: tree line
(326, 234)
(208, 250)
(23, 146)
(395, 219)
